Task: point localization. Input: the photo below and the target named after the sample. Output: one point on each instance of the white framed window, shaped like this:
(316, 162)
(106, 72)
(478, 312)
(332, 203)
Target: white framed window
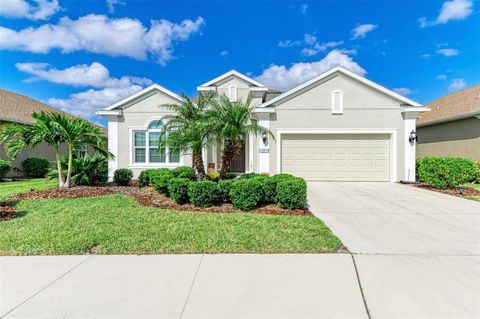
(232, 93)
(146, 146)
(337, 102)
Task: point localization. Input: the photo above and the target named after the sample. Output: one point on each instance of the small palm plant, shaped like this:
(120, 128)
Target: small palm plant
(232, 125)
(189, 129)
(58, 131)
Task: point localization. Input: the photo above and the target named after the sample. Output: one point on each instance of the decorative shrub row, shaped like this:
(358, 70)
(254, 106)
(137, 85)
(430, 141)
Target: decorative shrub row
(122, 176)
(146, 177)
(5, 167)
(36, 167)
(447, 172)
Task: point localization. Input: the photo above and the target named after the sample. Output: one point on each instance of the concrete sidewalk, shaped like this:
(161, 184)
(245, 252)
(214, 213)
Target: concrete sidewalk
(181, 286)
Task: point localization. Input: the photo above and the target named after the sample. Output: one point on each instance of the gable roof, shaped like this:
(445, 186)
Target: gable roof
(456, 105)
(348, 73)
(145, 91)
(228, 74)
(18, 108)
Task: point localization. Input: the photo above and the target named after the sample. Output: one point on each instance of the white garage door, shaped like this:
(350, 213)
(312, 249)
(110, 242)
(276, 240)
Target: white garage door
(337, 157)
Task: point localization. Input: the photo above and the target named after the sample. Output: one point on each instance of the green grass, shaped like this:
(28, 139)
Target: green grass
(470, 185)
(8, 189)
(117, 224)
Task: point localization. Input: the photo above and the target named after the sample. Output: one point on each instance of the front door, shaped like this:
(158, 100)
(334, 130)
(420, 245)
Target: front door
(238, 162)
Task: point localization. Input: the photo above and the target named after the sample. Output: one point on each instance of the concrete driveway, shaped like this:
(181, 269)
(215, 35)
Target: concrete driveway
(416, 251)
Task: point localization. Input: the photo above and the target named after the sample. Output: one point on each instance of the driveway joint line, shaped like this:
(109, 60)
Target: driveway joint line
(360, 286)
(47, 286)
(191, 286)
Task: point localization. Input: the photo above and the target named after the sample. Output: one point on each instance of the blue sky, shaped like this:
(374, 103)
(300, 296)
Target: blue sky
(81, 56)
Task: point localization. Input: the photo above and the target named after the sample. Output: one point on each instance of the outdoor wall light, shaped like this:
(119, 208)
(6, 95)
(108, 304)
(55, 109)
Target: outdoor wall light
(265, 139)
(412, 138)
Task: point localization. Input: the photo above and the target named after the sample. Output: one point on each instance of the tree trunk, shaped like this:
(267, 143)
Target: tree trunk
(59, 168)
(228, 153)
(69, 168)
(197, 160)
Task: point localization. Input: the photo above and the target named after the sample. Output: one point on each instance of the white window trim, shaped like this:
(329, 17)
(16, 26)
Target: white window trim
(333, 102)
(233, 98)
(393, 142)
(147, 163)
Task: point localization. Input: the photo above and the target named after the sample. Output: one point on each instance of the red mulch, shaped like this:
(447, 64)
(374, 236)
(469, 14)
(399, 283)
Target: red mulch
(147, 196)
(450, 191)
(7, 212)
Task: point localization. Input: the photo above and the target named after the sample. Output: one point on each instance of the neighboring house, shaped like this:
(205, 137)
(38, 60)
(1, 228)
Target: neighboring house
(17, 108)
(338, 126)
(452, 127)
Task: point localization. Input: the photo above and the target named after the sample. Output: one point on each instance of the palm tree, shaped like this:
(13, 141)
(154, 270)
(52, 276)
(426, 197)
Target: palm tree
(232, 125)
(56, 130)
(188, 129)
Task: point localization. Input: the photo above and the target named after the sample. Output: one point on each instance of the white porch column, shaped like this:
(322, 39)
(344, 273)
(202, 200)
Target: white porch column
(409, 125)
(112, 145)
(263, 156)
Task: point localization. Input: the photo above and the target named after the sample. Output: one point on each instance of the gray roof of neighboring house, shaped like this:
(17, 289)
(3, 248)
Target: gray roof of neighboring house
(452, 106)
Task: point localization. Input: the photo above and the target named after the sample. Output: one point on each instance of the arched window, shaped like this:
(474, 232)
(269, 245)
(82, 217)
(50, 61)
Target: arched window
(232, 93)
(146, 146)
(337, 102)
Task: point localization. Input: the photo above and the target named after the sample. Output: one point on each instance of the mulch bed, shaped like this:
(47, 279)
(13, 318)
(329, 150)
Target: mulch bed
(7, 212)
(147, 196)
(451, 191)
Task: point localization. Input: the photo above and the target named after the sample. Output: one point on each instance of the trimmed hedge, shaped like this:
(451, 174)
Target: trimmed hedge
(178, 190)
(246, 193)
(160, 179)
(184, 172)
(268, 187)
(476, 176)
(144, 179)
(224, 186)
(446, 172)
(36, 166)
(122, 176)
(204, 193)
(292, 193)
(5, 167)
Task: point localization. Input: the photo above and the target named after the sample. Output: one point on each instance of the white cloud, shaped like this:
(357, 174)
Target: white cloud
(281, 77)
(361, 30)
(99, 34)
(457, 84)
(288, 43)
(320, 47)
(310, 38)
(426, 55)
(93, 75)
(88, 102)
(404, 91)
(448, 52)
(43, 9)
(441, 77)
(304, 8)
(112, 3)
(450, 11)
(224, 53)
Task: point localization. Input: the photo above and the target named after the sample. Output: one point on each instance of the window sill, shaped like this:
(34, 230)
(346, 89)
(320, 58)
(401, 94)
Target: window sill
(154, 165)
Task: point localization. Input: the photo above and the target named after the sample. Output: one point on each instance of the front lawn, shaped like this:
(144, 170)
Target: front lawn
(8, 189)
(117, 224)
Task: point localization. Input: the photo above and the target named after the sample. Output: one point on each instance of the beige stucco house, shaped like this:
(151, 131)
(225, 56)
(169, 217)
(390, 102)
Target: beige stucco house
(452, 127)
(338, 126)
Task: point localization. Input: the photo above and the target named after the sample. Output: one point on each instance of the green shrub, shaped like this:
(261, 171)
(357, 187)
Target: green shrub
(144, 179)
(445, 172)
(292, 193)
(86, 169)
(178, 190)
(269, 189)
(36, 167)
(160, 178)
(213, 176)
(248, 175)
(476, 176)
(281, 177)
(184, 172)
(246, 193)
(230, 176)
(5, 167)
(224, 187)
(204, 193)
(122, 176)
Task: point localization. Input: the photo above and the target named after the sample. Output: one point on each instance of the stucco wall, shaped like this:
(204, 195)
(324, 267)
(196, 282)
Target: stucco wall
(363, 108)
(459, 138)
(137, 115)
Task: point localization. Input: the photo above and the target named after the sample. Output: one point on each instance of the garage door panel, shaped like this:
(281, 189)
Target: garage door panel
(343, 157)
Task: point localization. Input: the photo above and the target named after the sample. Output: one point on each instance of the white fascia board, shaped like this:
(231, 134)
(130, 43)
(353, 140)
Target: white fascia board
(205, 88)
(264, 110)
(450, 119)
(230, 73)
(143, 92)
(117, 112)
(409, 109)
(348, 73)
